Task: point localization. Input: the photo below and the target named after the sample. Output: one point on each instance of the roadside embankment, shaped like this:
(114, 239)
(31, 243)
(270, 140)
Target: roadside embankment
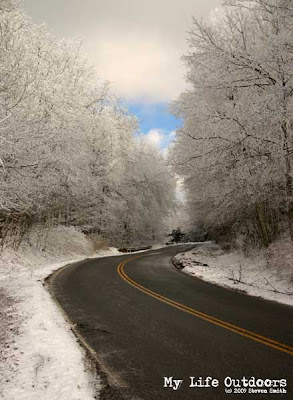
(266, 273)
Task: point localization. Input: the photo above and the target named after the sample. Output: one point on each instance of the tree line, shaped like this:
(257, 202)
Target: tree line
(69, 152)
(235, 149)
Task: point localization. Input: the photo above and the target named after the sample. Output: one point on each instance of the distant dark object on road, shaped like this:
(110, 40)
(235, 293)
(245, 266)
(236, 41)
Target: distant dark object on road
(196, 235)
(177, 236)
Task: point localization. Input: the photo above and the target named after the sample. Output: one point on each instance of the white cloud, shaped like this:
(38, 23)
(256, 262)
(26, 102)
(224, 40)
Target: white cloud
(160, 138)
(155, 136)
(135, 44)
(139, 67)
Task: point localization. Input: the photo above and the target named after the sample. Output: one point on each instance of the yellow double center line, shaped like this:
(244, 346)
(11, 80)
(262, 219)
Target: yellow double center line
(216, 321)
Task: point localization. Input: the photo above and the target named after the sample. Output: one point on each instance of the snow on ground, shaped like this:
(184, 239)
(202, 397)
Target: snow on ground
(267, 273)
(40, 357)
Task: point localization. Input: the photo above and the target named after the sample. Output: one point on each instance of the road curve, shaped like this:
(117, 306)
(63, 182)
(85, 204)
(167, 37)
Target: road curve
(145, 320)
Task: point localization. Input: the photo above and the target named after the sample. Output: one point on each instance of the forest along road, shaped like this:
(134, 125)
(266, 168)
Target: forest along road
(146, 321)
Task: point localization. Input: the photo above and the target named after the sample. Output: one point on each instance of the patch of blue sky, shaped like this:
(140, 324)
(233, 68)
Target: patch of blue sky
(154, 116)
(156, 121)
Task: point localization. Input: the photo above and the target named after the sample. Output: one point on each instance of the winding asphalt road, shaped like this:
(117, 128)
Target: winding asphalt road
(146, 320)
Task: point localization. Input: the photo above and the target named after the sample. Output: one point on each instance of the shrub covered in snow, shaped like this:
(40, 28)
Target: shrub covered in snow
(60, 240)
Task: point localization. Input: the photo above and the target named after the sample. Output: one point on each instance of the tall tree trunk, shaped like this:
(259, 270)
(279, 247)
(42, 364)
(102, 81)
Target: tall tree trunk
(288, 178)
(289, 190)
(265, 236)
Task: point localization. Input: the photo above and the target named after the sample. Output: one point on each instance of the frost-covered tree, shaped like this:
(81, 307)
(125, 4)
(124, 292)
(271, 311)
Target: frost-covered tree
(68, 150)
(235, 148)
(45, 91)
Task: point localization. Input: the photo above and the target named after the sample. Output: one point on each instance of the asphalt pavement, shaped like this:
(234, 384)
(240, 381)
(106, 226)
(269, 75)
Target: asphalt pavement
(149, 325)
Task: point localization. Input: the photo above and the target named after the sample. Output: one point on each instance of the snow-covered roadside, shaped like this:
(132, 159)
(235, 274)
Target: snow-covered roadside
(40, 357)
(267, 274)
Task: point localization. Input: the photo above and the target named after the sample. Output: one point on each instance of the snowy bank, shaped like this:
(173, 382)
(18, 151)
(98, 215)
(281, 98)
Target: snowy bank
(265, 273)
(40, 357)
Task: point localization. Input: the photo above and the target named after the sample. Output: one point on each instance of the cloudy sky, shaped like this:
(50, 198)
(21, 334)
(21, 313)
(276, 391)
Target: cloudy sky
(135, 44)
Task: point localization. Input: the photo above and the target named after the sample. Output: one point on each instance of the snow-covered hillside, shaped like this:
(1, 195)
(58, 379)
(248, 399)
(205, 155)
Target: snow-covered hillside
(265, 273)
